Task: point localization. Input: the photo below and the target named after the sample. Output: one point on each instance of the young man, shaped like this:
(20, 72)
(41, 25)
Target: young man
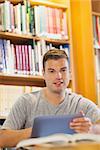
(54, 99)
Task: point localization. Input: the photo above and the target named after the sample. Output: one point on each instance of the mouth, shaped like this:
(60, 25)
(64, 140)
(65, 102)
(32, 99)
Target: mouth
(58, 83)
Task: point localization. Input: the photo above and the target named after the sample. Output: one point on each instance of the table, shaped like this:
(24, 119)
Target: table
(79, 146)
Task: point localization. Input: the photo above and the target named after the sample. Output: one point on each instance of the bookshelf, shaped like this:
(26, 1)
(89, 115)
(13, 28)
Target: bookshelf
(96, 34)
(84, 59)
(83, 48)
(25, 38)
(12, 79)
(78, 14)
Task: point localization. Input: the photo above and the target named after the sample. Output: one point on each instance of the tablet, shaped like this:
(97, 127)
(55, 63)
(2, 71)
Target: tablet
(47, 125)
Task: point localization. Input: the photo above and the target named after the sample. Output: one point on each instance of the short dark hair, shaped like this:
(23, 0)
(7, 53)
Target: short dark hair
(54, 54)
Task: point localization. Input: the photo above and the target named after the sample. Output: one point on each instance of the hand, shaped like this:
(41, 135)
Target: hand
(81, 125)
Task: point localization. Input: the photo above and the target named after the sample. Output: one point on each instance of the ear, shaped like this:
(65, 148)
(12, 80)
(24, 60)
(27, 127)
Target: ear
(43, 72)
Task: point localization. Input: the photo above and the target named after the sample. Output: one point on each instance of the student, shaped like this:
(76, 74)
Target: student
(54, 99)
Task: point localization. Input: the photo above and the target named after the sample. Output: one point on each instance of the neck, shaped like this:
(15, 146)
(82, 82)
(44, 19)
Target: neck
(54, 97)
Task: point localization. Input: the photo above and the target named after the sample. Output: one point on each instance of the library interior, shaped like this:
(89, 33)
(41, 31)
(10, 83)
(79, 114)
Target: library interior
(28, 30)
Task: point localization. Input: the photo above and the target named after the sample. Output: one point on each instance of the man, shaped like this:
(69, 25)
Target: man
(54, 99)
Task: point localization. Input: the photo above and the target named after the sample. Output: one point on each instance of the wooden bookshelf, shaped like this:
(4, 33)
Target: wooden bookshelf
(29, 80)
(23, 38)
(95, 4)
(83, 52)
(83, 49)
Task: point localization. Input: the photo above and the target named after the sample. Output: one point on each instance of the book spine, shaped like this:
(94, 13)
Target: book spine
(23, 60)
(1, 56)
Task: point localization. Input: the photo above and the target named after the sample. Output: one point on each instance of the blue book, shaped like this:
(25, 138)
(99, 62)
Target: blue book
(1, 56)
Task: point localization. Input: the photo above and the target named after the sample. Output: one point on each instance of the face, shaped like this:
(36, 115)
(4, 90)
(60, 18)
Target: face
(56, 75)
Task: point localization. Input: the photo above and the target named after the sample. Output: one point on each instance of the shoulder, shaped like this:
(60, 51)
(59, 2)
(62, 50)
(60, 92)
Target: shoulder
(27, 99)
(73, 95)
(78, 98)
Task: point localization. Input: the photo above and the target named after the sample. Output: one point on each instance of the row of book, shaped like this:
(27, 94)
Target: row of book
(97, 62)
(25, 59)
(96, 31)
(37, 20)
(98, 92)
(97, 59)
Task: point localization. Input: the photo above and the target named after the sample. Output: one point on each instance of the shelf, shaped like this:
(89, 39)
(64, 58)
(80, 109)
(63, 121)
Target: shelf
(55, 41)
(95, 13)
(22, 80)
(17, 37)
(39, 2)
(46, 3)
(13, 1)
(22, 37)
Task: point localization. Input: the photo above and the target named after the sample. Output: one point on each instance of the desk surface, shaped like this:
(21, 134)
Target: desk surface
(79, 146)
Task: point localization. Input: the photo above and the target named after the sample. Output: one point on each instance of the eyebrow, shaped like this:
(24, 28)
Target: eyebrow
(63, 68)
(51, 69)
(60, 68)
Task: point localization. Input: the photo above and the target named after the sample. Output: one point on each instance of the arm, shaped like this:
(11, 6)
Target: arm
(13, 130)
(90, 113)
(9, 138)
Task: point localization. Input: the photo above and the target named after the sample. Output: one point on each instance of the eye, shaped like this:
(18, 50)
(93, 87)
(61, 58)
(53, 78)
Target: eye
(64, 70)
(51, 71)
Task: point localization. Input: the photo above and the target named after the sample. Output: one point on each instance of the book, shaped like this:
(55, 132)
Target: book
(59, 139)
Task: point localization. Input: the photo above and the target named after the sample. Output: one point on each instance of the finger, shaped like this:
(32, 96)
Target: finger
(80, 124)
(82, 113)
(81, 128)
(82, 119)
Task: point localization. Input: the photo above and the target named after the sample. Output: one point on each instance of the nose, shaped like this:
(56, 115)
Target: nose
(58, 75)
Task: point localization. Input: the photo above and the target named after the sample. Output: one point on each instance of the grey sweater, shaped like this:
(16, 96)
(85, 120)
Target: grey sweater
(35, 104)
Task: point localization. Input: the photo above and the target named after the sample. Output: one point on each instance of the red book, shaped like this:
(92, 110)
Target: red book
(64, 26)
(20, 59)
(54, 20)
(30, 58)
(23, 60)
(16, 58)
(58, 24)
(98, 29)
(26, 59)
(50, 20)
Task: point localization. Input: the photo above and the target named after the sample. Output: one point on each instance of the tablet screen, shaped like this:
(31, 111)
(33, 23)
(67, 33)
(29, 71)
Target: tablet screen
(47, 125)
